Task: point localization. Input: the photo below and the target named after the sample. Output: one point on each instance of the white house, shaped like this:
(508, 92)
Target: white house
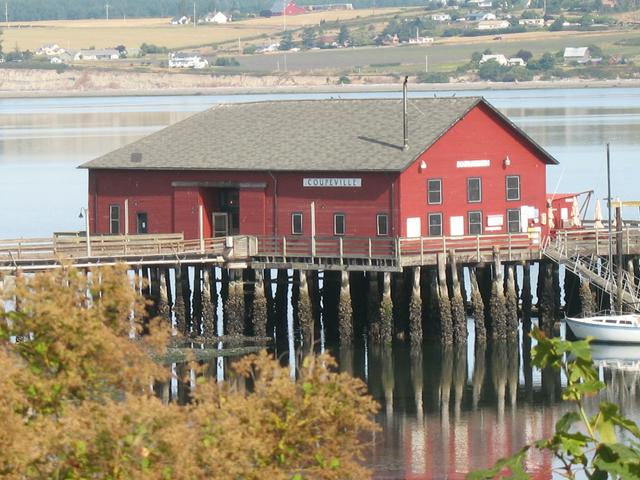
(421, 40)
(97, 54)
(216, 17)
(50, 50)
(481, 16)
(441, 17)
(480, 3)
(577, 54)
(493, 24)
(187, 60)
(500, 59)
(180, 20)
(531, 22)
(516, 62)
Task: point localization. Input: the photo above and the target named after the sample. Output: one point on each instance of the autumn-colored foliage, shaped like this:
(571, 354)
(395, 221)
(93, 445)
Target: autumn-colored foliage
(77, 398)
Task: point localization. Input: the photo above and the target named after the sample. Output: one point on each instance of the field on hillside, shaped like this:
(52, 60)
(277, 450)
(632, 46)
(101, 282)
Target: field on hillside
(442, 56)
(76, 34)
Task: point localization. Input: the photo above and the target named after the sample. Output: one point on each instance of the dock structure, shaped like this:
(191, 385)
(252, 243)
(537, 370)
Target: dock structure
(183, 279)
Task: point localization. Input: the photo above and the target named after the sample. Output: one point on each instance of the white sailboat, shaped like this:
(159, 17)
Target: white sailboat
(606, 327)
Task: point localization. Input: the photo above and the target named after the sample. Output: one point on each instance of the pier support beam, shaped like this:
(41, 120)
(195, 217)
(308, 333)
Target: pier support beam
(234, 306)
(345, 310)
(164, 310)
(511, 303)
(280, 307)
(305, 311)
(497, 301)
(477, 306)
(458, 315)
(571, 293)
(546, 298)
(444, 305)
(526, 298)
(386, 310)
(373, 308)
(587, 300)
(259, 306)
(196, 309)
(415, 309)
(208, 311)
(179, 308)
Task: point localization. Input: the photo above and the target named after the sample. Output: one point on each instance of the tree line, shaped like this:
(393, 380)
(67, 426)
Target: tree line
(27, 10)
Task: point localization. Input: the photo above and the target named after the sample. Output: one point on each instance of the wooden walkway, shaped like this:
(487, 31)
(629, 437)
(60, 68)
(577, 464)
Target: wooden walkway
(330, 253)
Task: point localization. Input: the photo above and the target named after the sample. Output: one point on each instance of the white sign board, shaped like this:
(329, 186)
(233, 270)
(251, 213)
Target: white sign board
(495, 220)
(457, 226)
(331, 182)
(473, 163)
(413, 227)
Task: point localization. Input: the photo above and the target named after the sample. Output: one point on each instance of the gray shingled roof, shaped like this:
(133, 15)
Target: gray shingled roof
(321, 135)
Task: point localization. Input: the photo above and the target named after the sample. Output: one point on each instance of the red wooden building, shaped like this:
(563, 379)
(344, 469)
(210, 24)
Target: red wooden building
(284, 7)
(326, 167)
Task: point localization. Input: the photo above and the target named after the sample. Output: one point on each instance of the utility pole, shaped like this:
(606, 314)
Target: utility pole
(6, 13)
(284, 15)
(106, 7)
(426, 64)
(195, 21)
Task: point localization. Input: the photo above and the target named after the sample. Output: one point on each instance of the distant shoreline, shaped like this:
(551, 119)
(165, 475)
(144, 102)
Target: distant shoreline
(47, 84)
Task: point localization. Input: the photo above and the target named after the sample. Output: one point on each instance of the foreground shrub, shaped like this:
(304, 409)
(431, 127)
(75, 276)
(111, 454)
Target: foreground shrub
(77, 398)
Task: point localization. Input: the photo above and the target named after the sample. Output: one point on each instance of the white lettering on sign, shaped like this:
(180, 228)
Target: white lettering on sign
(495, 220)
(331, 182)
(473, 163)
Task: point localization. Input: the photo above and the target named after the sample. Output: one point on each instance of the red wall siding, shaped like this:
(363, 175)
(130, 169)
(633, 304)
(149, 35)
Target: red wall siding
(480, 135)
(175, 209)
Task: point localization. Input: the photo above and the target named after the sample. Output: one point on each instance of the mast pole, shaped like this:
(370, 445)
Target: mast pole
(610, 265)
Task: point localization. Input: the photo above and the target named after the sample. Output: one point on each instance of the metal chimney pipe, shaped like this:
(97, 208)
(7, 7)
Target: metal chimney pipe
(405, 122)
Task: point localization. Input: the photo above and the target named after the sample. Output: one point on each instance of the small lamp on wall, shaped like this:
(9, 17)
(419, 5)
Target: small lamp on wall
(507, 161)
(423, 165)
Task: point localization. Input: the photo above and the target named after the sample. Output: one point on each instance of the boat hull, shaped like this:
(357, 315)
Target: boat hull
(603, 332)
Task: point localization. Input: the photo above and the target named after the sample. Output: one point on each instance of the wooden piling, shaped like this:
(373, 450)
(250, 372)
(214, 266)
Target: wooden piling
(415, 310)
(546, 297)
(305, 312)
(429, 294)
(497, 302)
(234, 306)
(458, 314)
(477, 307)
(526, 297)
(259, 306)
(280, 307)
(179, 308)
(345, 310)
(386, 310)
(587, 299)
(196, 303)
(511, 303)
(571, 293)
(208, 311)
(163, 298)
(373, 308)
(444, 305)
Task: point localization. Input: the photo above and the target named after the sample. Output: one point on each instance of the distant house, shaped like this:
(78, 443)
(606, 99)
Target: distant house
(493, 24)
(180, 20)
(516, 62)
(480, 16)
(421, 40)
(480, 3)
(500, 59)
(286, 7)
(441, 17)
(330, 6)
(97, 54)
(187, 60)
(577, 54)
(531, 22)
(215, 17)
(50, 50)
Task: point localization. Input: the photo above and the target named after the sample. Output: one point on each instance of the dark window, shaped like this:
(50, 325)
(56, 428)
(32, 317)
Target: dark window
(114, 219)
(435, 224)
(338, 224)
(513, 220)
(475, 223)
(474, 190)
(296, 223)
(382, 221)
(434, 191)
(513, 187)
(142, 225)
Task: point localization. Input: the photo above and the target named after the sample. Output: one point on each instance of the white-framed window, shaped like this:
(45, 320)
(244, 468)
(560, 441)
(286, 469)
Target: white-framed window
(114, 219)
(382, 224)
(474, 221)
(339, 224)
(296, 223)
(435, 224)
(513, 187)
(434, 191)
(513, 220)
(474, 190)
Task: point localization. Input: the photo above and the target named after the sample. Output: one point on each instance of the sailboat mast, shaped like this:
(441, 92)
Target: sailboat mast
(609, 209)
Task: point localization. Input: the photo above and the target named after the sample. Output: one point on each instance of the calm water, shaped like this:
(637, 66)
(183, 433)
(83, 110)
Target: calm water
(443, 412)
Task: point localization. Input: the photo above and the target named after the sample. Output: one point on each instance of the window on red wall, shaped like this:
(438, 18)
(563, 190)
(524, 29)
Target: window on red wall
(434, 191)
(435, 224)
(296, 223)
(474, 220)
(474, 190)
(513, 220)
(513, 187)
(382, 222)
(339, 224)
(114, 219)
